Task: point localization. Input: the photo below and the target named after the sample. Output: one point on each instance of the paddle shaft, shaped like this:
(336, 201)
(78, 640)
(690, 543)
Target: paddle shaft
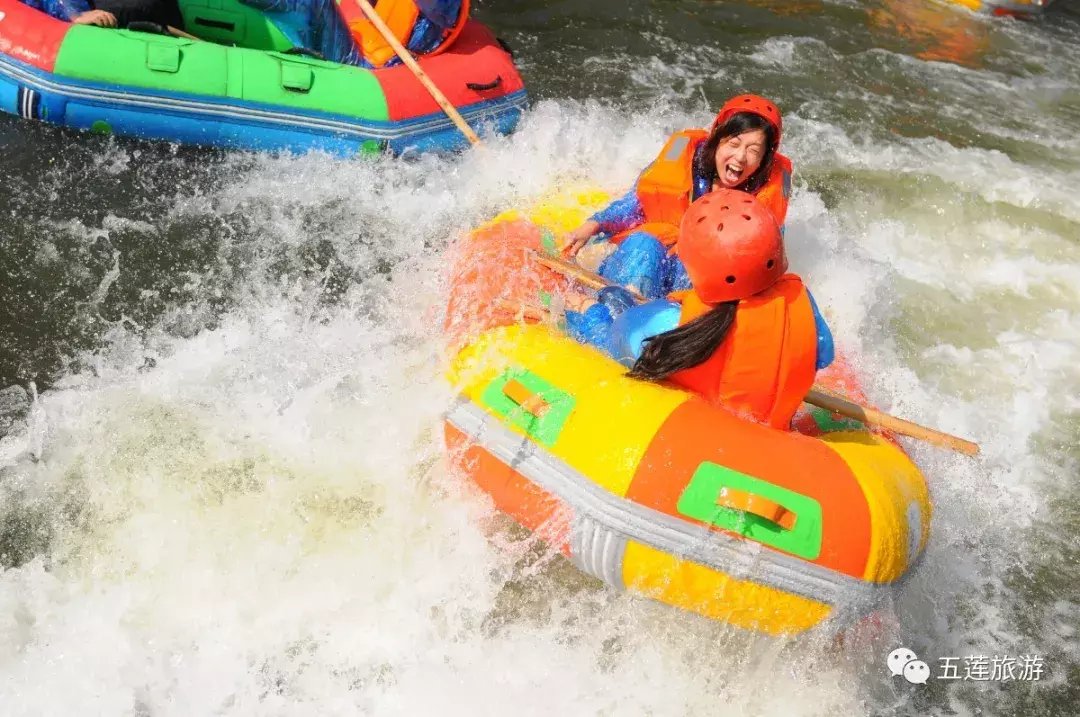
(817, 396)
(407, 58)
(176, 32)
(155, 28)
(839, 404)
(581, 275)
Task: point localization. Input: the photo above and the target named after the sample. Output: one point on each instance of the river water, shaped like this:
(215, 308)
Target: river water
(238, 504)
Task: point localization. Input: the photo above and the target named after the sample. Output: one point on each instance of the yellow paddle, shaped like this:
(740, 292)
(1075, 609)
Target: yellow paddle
(817, 395)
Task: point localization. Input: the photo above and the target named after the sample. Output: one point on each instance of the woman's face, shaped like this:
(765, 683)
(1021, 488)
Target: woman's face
(739, 156)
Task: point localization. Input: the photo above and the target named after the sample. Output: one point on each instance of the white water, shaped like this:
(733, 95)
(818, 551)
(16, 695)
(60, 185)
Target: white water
(261, 522)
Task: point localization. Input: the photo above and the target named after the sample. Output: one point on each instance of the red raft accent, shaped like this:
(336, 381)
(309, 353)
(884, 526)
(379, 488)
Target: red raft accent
(475, 58)
(30, 35)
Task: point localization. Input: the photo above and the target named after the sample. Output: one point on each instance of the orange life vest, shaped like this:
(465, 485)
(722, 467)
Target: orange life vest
(401, 17)
(777, 190)
(767, 362)
(665, 189)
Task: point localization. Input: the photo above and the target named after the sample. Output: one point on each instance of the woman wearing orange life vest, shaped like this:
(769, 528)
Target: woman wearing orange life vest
(738, 152)
(747, 335)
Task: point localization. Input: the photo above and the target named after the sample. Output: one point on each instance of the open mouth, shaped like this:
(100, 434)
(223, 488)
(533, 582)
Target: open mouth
(732, 173)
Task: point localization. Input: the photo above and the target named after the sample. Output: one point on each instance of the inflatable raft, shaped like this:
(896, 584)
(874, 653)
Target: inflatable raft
(649, 488)
(1013, 8)
(240, 88)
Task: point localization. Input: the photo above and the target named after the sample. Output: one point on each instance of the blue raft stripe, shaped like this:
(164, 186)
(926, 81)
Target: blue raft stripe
(33, 82)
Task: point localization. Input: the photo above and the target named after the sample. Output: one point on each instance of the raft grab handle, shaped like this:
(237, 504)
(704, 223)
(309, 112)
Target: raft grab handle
(296, 77)
(747, 502)
(520, 394)
(483, 87)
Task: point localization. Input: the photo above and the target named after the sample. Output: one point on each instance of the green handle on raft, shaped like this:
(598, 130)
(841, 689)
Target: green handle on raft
(816, 397)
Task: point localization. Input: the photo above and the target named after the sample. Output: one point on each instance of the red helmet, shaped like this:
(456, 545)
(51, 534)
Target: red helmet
(754, 104)
(731, 246)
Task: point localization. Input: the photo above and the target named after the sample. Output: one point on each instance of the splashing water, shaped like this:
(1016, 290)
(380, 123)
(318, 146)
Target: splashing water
(240, 504)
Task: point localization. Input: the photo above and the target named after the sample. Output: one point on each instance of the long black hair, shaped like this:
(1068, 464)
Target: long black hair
(705, 159)
(686, 346)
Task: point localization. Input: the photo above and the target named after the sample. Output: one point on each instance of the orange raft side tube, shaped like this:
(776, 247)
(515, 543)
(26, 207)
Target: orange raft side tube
(648, 487)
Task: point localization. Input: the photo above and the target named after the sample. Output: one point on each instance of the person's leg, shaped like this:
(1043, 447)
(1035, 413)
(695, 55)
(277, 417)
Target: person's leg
(616, 298)
(638, 262)
(674, 273)
(591, 326)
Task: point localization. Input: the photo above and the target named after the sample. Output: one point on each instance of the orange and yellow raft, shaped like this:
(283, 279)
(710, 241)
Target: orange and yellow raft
(1014, 8)
(648, 487)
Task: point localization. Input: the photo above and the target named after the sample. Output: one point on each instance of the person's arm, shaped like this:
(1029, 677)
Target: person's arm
(573, 241)
(95, 17)
(619, 215)
(826, 352)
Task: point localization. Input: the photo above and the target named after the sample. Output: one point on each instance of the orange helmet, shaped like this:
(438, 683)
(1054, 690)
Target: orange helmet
(754, 104)
(731, 246)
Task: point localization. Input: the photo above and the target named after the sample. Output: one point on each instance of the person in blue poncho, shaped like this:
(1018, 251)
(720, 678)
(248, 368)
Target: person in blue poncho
(746, 334)
(341, 33)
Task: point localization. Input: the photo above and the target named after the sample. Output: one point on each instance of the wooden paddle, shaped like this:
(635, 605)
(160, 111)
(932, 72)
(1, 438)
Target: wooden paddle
(580, 274)
(155, 28)
(407, 58)
(817, 396)
(838, 404)
(176, 32)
